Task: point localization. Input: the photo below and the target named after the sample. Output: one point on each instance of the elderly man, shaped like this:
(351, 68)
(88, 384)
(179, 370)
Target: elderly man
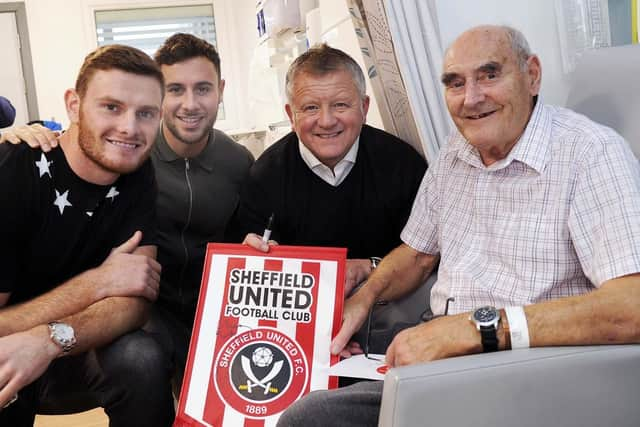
(333, 181)
(69, 303)
(525, 207)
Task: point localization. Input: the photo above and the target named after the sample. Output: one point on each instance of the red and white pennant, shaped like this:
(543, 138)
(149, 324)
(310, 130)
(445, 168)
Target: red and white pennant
(262, 333)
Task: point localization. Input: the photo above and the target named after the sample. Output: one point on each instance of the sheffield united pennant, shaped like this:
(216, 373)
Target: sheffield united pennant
(262, 333)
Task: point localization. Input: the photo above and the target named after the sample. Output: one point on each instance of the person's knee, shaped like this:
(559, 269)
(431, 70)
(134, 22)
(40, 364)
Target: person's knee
(136, 358)
(306, 411)
(355, 405)
(134, 381)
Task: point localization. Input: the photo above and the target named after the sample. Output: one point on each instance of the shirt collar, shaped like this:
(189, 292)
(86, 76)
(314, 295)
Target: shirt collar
(532, 149)
(340, 171)
(205, 159)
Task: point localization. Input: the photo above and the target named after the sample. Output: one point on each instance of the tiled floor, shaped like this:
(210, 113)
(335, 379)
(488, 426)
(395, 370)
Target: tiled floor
(93, 418)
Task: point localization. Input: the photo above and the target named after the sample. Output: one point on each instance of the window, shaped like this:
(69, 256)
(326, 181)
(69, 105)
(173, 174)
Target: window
(594, 24)
(147, 28)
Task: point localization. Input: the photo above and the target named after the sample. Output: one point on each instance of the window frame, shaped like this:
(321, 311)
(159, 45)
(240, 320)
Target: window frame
(222, 16)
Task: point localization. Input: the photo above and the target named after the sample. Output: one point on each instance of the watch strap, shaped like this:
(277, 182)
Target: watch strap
(489, 337)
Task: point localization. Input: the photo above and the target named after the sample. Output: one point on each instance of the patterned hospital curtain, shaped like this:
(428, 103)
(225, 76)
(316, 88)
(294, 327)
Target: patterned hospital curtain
(400, 40)
(416, 37)
(377, 50)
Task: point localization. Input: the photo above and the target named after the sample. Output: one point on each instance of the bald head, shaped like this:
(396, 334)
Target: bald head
(512, 37)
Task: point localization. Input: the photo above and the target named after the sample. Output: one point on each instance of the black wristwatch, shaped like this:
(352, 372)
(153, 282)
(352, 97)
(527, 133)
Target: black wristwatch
(486, 320)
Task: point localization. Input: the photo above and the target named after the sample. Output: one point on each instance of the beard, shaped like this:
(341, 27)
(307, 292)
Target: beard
(189, 138)
(94, 149)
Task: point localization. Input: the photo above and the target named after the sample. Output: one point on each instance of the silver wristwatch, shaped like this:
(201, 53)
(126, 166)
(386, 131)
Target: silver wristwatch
(375, 260)
(63, 335)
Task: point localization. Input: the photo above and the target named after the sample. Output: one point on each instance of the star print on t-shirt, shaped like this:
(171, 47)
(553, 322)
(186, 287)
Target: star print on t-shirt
(61, 201)
(113, 192)
(43, 165)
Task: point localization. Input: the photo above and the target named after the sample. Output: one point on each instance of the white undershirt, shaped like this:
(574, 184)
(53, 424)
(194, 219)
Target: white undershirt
(340, 171)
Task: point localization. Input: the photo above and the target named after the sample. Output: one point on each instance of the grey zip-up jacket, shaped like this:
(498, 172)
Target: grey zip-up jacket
(196, 198)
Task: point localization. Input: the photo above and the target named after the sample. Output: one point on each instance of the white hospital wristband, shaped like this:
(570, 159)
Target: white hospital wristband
(518, 328)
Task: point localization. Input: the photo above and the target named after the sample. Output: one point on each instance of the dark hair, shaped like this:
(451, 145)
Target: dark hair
(322, 59)
(181, 46)
(119, 57)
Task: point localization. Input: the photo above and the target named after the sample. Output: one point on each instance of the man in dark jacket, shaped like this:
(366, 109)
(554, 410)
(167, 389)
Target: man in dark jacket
(333, 181)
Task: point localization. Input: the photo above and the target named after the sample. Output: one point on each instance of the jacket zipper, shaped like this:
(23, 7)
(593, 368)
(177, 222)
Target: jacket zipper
(184, 229)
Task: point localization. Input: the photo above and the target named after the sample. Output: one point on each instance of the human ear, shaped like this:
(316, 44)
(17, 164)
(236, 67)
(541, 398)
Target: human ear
(221, 86)
(534, 72)
(290, 113)
(72, 104)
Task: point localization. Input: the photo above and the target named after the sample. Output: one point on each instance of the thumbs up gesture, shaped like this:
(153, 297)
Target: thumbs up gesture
(127, 273)
(130, 245)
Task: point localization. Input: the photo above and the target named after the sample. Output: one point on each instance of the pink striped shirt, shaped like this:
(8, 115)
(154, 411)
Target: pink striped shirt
(557, 217)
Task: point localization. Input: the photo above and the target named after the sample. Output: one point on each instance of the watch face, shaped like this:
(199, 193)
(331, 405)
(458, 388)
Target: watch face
(64, 332)
(485, 315)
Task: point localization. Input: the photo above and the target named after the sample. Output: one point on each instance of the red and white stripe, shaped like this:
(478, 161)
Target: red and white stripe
(200, 404)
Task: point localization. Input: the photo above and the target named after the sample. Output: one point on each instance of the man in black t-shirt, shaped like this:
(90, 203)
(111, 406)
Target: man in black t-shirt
(199, 171)
(77, 255)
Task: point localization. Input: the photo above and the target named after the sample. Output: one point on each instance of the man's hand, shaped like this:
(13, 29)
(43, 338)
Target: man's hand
(358, 270)
(440, 338)
(351, 349)
(356, 310)
(24, 356)
(35, 135)
(255, 241)
(127, 274)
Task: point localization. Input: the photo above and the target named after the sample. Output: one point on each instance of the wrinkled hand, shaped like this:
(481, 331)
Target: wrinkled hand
(440, 338)
(356, 310)
(127, 274)
(24, 356)
(255, 241)
(35, 135)
(358, 270)
(351, 349)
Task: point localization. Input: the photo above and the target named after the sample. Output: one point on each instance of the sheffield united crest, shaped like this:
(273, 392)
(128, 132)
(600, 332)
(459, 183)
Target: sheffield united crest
(260, 372)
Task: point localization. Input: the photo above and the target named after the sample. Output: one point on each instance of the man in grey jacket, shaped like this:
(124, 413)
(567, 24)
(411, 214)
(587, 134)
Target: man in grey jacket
(200, 171)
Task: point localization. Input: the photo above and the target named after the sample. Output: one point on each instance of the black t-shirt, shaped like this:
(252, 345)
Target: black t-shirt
(54, 225)
(365, 213)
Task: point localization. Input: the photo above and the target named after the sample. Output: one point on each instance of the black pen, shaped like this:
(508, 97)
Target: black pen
(267, 231)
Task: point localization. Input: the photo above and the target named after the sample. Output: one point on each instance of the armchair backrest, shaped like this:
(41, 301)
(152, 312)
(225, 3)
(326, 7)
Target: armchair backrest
(591, 386)
(605, 87)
